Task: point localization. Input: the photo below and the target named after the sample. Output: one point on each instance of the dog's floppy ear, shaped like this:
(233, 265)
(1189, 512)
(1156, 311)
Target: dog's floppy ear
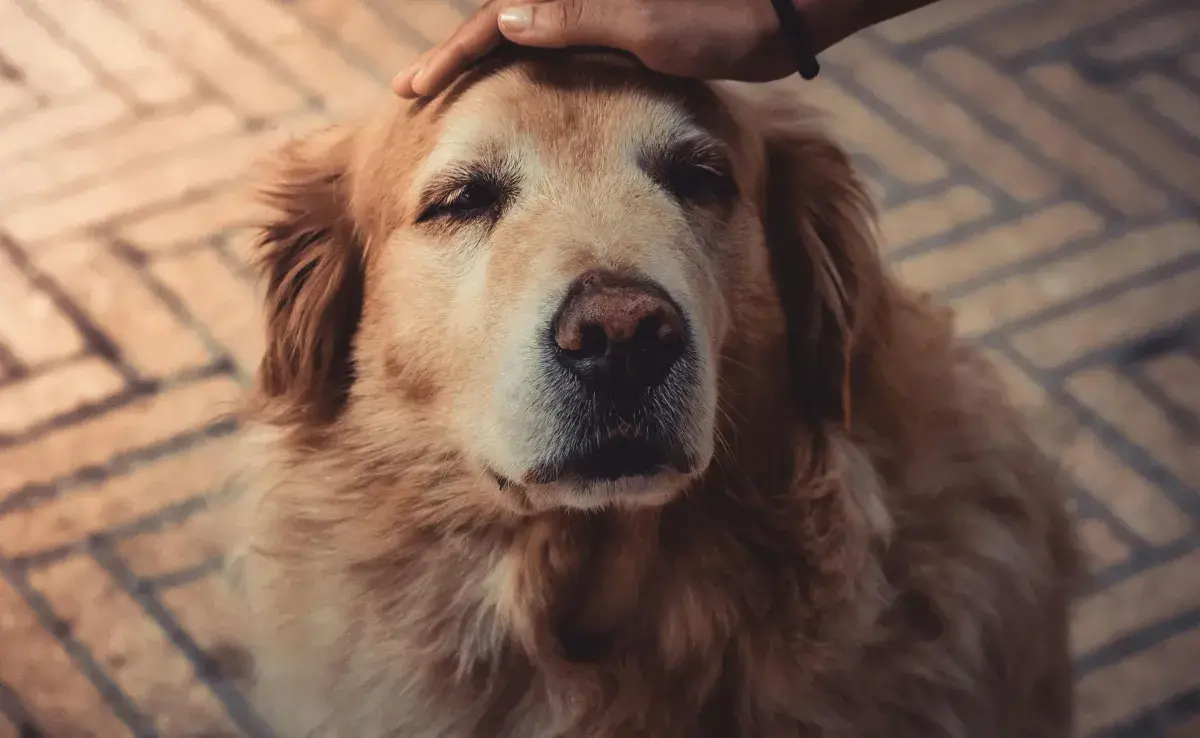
(825, 262)
(311, 260)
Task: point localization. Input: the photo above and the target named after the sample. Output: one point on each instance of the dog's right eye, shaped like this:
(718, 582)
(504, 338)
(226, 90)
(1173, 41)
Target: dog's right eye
(473, 199)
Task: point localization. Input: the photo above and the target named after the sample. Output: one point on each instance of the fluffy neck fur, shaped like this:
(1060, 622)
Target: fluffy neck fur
(570, 605)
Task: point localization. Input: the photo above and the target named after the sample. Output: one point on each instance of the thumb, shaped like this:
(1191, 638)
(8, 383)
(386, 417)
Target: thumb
(552, 24)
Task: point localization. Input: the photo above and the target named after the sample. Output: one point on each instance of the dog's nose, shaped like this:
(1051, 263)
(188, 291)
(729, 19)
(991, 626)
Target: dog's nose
(618, 334)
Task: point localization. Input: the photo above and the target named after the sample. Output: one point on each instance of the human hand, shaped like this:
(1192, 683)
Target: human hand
(708, 39)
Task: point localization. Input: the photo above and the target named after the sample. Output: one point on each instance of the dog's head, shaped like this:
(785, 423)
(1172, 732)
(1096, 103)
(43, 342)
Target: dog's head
(553, 271)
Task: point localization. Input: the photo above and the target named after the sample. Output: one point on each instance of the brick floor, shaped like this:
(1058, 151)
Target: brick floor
(1038, 167)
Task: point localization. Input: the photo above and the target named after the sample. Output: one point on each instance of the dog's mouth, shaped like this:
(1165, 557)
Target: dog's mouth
(615, 458)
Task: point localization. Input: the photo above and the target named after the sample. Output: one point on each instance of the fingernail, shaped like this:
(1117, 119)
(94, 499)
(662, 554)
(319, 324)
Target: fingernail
(416, 79)
(403, 81)
(518, 18)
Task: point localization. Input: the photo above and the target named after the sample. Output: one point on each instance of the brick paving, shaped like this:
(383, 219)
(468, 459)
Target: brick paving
(1038, 167)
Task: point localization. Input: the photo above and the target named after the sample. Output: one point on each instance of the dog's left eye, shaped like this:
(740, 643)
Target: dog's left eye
(695, 172)
(697, 182)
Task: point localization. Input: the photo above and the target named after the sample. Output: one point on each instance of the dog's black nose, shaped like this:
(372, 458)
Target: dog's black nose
(618, 335)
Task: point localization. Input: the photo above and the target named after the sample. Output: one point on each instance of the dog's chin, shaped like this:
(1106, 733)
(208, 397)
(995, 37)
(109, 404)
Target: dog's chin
(620, 472)
(650, 490)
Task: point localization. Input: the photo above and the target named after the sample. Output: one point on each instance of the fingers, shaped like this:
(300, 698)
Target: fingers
(545, 23)
(553, 24)
(437, 67)
(402, 82)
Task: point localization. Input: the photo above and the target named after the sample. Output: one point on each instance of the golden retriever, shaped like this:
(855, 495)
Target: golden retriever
(589, 410)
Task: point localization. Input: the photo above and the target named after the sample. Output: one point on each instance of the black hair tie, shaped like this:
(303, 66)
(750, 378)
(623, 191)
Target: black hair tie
(791, 24)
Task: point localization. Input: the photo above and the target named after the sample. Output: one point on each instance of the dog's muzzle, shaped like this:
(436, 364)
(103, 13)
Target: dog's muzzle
(622, 358)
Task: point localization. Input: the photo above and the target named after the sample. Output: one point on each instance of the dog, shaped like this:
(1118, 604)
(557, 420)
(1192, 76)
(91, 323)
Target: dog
(590, 410)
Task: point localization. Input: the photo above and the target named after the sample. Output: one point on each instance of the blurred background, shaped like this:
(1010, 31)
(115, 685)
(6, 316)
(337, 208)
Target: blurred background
(1036, 162)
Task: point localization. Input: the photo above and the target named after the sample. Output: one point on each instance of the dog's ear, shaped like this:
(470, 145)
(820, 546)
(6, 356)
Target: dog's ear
(310, 257)
(820, 228)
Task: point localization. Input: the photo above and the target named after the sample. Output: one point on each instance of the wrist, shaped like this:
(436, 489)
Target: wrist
(796, 33)
(834, 20)
(828, 21)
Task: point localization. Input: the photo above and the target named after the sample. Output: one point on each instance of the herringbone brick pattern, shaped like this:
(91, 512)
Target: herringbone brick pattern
(1038, 167)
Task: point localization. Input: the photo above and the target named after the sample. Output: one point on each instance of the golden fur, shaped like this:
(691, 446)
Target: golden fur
(876, 548)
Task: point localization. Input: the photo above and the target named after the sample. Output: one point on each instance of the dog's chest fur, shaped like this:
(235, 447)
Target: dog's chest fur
(573, 625)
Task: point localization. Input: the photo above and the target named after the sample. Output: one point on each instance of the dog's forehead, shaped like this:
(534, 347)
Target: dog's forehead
(587, 112)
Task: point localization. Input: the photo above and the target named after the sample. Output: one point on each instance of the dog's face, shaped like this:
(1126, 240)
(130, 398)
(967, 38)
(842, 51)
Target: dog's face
(546, 269)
